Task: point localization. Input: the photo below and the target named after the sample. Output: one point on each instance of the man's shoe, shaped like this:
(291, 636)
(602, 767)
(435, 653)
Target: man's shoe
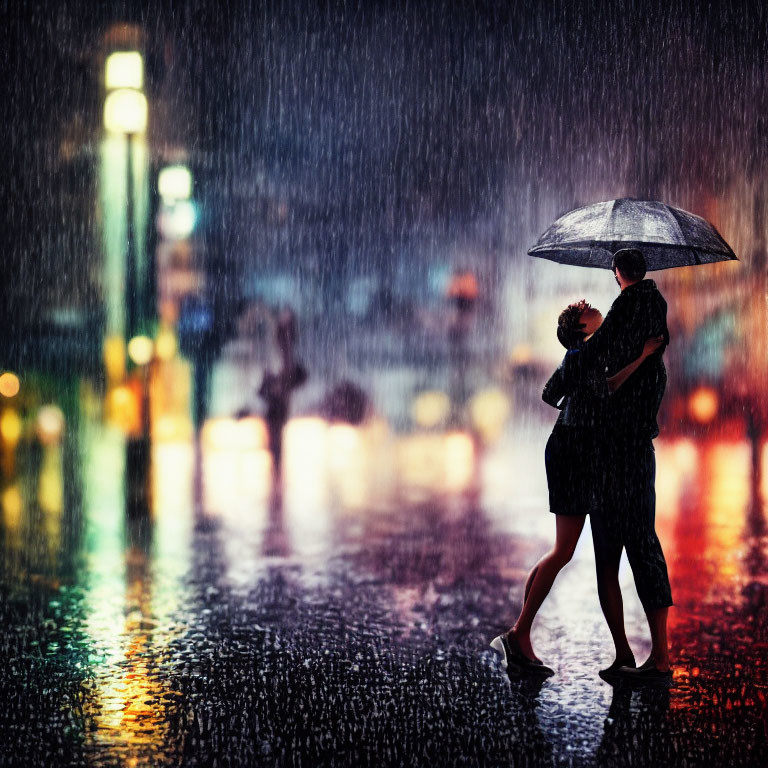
(609, 673)
(514, 660)
(648, 674)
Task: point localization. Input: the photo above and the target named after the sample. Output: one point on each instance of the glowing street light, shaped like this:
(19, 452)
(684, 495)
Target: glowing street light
(174, 183)
(703, 405)
(177, 221)
(124, 69)
(125, 112)
(50, 424)
(141, 349)
(431, 408)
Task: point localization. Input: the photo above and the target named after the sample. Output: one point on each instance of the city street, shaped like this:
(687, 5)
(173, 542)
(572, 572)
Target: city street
(346, 619)
(289, 294)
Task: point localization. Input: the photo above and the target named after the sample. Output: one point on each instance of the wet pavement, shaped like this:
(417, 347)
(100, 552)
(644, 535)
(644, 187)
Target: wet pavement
(346, 619)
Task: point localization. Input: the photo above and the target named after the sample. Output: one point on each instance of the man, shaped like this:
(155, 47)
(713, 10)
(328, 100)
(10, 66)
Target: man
(624, 516)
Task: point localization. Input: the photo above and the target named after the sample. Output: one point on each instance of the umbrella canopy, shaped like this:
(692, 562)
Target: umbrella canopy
(667, 236)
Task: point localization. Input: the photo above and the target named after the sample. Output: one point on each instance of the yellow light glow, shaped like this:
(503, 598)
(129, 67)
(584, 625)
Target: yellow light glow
(9, 384)
(420, 461)
(10, 426)
(174, 183)
(114, 358)
(124, 409)
(431, 408)
(305, 441)
(166, 344)
(141, 349)
(306, 483)
(490, 410)
(125, 111)
(49, 425)
(343, 445)
(459, 460)
(50, 490)
(12, 507)
(171, 429)
(685, 456)
(236, 485)
(120, 397)
(727, 494)
(521, 355)
(124, 69)
(348, 455)
(224, 434)
(703, 405)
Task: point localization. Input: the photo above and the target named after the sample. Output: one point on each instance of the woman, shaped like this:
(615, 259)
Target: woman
(572, 467)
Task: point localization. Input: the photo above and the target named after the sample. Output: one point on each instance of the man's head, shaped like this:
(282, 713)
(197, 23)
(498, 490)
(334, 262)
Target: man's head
(628, 266)
(576, 322)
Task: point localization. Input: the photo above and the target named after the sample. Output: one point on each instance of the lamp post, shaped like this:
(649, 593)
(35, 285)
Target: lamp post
(125, 112)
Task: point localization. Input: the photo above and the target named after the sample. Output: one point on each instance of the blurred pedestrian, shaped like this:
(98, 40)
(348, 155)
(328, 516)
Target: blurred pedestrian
(462, 293)
(277, 386)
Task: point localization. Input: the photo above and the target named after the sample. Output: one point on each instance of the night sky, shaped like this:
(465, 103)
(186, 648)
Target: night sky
(390, 119)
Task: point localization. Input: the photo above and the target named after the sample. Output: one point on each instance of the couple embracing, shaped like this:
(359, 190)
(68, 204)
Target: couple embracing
(600, 461)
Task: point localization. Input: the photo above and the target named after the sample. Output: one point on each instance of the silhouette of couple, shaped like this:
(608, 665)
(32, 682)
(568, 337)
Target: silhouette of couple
(600, 461)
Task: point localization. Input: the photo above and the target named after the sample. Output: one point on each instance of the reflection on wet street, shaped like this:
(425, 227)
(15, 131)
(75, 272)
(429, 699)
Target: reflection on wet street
(345, 617)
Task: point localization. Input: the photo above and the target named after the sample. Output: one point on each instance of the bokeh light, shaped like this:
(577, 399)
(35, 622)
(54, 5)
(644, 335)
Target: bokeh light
(703, 405)
(124, 69)
(222, 434)
(430, 409)
(10, 426)
(177, 221)
(124, 409)
(141, 349)
(459, 459)
(114, 358)
(490, 410)
(49, 425)
(125, 111)
(9, 384)
(174, 183)
(166, 344)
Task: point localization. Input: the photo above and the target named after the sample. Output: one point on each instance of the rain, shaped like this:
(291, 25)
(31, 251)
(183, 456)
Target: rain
(272, 351)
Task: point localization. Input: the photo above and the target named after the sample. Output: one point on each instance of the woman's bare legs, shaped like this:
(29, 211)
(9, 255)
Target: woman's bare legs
(542, 576)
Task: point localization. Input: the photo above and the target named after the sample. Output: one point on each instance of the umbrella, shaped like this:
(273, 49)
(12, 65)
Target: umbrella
(667, 236)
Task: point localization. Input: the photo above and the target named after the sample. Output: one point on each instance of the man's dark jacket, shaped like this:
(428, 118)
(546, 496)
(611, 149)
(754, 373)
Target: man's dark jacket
(638, 313)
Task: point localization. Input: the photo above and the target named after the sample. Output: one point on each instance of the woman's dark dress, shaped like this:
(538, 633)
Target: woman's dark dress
(571, 456)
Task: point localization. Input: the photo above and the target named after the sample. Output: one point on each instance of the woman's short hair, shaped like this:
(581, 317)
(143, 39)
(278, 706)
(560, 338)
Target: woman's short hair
(569, 326)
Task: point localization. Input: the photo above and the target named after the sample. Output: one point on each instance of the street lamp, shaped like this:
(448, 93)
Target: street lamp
(124, 69)
(174, 183)
(125, 113)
